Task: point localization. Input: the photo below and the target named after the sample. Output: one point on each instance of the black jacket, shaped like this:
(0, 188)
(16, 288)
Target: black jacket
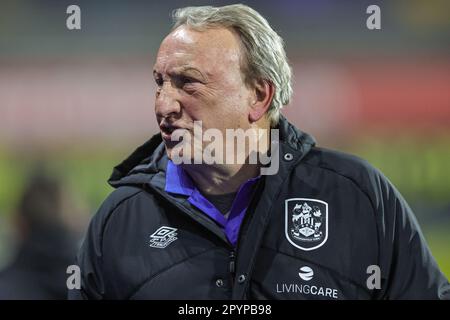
(311, 232)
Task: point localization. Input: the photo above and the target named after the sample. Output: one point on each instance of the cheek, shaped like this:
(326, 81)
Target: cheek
(238, 103)
(203, 105)
(218, 109)
(195, 109)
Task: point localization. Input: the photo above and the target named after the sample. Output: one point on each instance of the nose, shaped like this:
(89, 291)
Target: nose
(166, 102)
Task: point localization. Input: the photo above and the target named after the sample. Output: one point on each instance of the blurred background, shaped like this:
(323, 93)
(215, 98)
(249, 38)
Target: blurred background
(74, 103)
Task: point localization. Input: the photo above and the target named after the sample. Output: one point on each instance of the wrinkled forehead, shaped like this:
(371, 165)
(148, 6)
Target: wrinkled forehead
(209, 49)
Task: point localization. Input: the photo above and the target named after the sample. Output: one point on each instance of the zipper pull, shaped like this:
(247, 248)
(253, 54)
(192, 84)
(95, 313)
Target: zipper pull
(232, 263)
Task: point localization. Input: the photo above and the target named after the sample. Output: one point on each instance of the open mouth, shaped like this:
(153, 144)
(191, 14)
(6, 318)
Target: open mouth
(167, 130)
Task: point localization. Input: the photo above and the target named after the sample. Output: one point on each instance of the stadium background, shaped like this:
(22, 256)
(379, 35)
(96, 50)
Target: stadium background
(78, 102)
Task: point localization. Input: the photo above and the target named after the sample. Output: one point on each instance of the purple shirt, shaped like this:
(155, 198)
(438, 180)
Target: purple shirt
(178, 182)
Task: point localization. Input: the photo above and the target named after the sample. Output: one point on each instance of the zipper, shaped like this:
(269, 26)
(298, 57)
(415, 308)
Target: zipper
(232, 256)
(251, 206)
(232, 265)
(232, 262)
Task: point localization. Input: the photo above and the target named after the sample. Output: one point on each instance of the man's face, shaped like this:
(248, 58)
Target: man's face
(199, 77)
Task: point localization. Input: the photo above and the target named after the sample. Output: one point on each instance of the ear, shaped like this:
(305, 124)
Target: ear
(263, 94)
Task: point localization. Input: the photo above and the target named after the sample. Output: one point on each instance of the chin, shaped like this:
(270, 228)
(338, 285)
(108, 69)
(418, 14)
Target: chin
(177, 155)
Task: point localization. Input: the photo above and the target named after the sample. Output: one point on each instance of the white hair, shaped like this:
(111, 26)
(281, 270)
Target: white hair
(264, 54)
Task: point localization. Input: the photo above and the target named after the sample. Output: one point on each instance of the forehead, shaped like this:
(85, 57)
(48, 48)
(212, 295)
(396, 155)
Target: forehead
(210, 50)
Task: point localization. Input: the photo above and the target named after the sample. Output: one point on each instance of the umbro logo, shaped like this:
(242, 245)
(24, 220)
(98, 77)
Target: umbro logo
(162, 237)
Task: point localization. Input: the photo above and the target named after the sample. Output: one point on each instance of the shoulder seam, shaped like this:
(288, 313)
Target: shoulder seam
(111, 212)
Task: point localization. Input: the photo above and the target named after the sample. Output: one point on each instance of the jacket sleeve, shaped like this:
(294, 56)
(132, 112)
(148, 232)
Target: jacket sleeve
(94, 276)
(407, 266)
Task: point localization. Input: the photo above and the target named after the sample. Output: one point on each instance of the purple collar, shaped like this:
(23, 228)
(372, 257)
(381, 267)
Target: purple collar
(178, 182)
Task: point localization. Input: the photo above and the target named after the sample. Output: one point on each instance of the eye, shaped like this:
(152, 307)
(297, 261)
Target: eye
(159, 81)
(188, 80)
(183, 80)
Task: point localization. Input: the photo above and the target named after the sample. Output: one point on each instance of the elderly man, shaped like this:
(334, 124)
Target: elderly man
(319, 225)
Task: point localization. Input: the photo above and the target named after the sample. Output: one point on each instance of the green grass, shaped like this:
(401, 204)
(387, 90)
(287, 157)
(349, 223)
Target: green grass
(84, 172)
(419, 168)
(438, 238)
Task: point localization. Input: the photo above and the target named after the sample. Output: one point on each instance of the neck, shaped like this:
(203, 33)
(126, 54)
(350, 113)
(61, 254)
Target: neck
(220, 179)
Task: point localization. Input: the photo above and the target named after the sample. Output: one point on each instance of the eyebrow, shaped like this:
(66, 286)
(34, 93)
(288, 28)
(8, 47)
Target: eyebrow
(184, 69)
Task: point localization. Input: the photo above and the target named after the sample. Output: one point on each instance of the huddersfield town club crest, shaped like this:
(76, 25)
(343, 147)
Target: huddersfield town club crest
(306, 223)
